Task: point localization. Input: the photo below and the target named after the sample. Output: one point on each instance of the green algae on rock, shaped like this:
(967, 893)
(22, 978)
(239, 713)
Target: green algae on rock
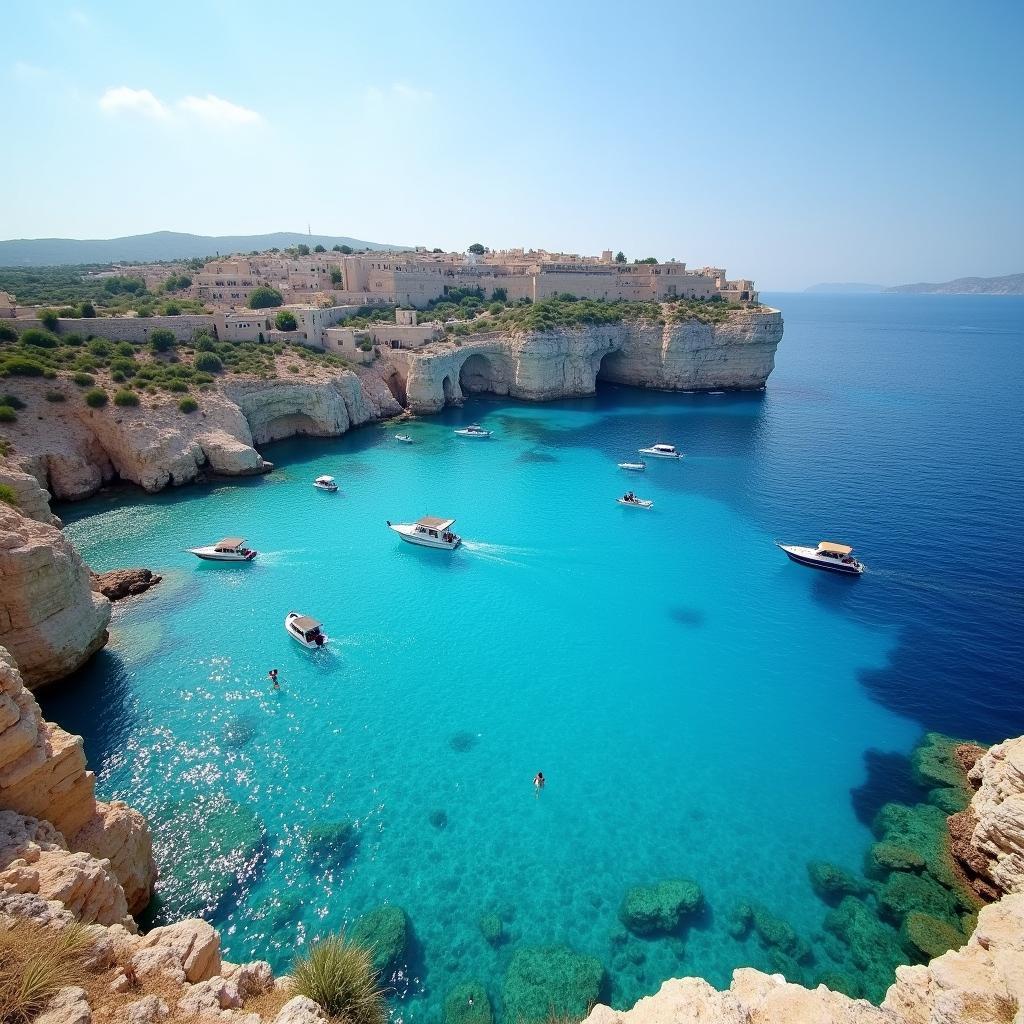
(904, 892)
(831, 882)
(930, 936)
(491, 928)
(740, 920)
(660, 908)
(385, 931)
(775, 933)
(331, 844)
(883, 858)
(875, 946)
(546, 980)
(921, 828)
(468, 1003)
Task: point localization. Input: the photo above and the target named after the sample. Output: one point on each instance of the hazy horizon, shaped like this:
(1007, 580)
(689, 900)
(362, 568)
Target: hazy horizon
(794, 146)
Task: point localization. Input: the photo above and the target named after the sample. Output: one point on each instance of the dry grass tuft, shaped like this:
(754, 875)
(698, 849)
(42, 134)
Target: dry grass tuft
(36, 962)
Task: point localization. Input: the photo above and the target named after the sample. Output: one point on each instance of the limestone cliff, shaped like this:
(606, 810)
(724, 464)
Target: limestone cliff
(43, 776)
(50, 619)
(73, 450)
(737, 353)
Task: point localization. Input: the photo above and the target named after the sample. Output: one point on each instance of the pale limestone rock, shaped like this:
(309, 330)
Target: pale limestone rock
(30, 499)
(193, 944)
(148, 1010)
(737, 354)
(119, 833)
(34, 859)
(998, 810)
(209, 997)
(300, 1010)
(68, 1006)
(253, 978)
(50, 620)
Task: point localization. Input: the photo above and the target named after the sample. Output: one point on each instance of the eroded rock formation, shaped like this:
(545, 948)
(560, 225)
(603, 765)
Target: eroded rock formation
(121, 583)
(736, 354)
(50, 620)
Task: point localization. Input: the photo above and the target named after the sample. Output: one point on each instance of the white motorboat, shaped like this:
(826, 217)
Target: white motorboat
(634, 467)
(404, 438)
(428, 532)
(632, 501)
(473, 430)
(325, 483)
(229, 549)
(662, 451)
(305, 630)
(827, 555)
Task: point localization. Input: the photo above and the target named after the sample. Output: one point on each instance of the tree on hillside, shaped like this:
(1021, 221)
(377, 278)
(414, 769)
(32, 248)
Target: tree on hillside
(620, 257)
(285, 321)
(649, 259)
(335, 248)
(437, 250)
(264, 297)
(346, 249)
(319, 248)
(302, 249)
(161, 339)
(336, 277)
(477, 249)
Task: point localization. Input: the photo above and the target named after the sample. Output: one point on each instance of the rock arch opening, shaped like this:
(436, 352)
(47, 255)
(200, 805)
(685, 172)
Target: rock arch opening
(448, 388)
(609, 368)
(296, 424)
(396, 385)
(478, 375)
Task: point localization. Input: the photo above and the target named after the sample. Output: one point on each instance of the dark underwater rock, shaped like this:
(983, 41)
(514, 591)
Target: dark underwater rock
(463, 741)
(660, 908)
(439, 819)
(884, 858)
(831, 882)
(905, 892)
(468, 1003)
(875, 947)
(930, 936)
(550, 980)
(331, 844)
(491, 929)
(384, 931)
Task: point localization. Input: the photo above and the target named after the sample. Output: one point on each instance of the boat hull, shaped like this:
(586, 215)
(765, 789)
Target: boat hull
(632, 467)
(814, 562)
(660, 455)
(212, 556)
(635, 504)
(411, 537)
(298, 638)
(473, 433)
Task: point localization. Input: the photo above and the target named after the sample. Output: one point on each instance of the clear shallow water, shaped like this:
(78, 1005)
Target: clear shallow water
(700, 706)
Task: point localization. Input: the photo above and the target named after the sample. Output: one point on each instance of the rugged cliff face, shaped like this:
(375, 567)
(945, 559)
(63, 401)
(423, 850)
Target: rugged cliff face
(50, 619)
(43, 776)
(736, 354)
(980, 983)
(73, 450)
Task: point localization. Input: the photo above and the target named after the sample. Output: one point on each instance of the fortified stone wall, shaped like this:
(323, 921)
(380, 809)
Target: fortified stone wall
(126, 328)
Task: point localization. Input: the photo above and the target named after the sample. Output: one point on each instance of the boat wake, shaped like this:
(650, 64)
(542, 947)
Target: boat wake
(504, 554)
(277, 557)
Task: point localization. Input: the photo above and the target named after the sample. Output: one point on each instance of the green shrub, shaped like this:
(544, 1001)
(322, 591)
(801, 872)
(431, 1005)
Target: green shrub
(7, 414)
(205, 344)
(264, 297)
(49, 373)
(7, 333)
(339, 975)
(124, 397)
(83, 380)
(96, 398)
(118, 377)
(100, 347)
(87, 310)
(209, 361)
(74, 340)
(161, 339)
(292, 368)
(38, 338)
(285, 321)
(188, 405)
(18, 366)
(49, 317)
(55, 396)
(8, 495)
(178, 386)
(13, 401)
(125, 348)
(126, 366)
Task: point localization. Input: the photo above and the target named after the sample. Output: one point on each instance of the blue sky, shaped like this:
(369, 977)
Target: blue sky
(793, 142)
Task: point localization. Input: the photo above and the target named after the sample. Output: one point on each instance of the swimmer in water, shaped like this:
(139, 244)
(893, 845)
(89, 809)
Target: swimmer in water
(538, 782)
(273, 678)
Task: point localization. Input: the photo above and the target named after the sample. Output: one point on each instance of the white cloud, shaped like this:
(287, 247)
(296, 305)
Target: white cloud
(209, 109)
(214, 110)
(133, 101)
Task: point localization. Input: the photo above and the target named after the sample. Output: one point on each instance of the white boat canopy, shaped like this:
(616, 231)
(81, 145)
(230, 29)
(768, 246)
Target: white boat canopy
(325, 479)
(229, 544)
(834, 549)
(434, 523)
(305, 623)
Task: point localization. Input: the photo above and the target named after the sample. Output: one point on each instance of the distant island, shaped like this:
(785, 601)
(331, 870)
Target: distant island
(158, 246)
(1011, 284)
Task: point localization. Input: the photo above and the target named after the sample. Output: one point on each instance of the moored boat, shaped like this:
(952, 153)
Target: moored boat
(428, 532)
(229, 549)
(632, 501)
(662, 451)
(305, 630)
(404, 438)
(473, 430)
(325, 483)
(827, 555)
(634, 467)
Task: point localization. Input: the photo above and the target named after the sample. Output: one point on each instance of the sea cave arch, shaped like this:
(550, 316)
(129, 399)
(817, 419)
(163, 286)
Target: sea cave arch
(397, 386)
(448, 390)
(294, 424)
(610, 368)
(478, 375)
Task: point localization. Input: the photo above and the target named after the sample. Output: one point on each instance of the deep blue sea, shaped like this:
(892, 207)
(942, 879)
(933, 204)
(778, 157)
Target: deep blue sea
(700, 706)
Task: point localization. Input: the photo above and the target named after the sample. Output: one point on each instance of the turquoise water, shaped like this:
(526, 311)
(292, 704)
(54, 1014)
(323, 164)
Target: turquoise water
(699, 706)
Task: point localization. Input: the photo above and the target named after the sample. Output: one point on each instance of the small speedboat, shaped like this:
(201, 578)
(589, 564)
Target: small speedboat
(634, 467)
(404, 438)
(827, 555)
(325, 483)
(633, 501)
(428, 532)
(473, 430)
(230, 549)
(662, 451)
(305, 630)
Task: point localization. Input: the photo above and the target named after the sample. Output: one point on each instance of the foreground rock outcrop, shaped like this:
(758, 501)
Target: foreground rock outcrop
(43, 777)
(50, 620)
(737, 353)
(118, 584)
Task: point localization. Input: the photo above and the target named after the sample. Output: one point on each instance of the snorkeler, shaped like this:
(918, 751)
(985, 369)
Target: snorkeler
(273, 678)
(538, 782)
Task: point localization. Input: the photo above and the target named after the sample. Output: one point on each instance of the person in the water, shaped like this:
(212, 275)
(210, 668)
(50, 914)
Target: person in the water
(273, 678)
(538, 782)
